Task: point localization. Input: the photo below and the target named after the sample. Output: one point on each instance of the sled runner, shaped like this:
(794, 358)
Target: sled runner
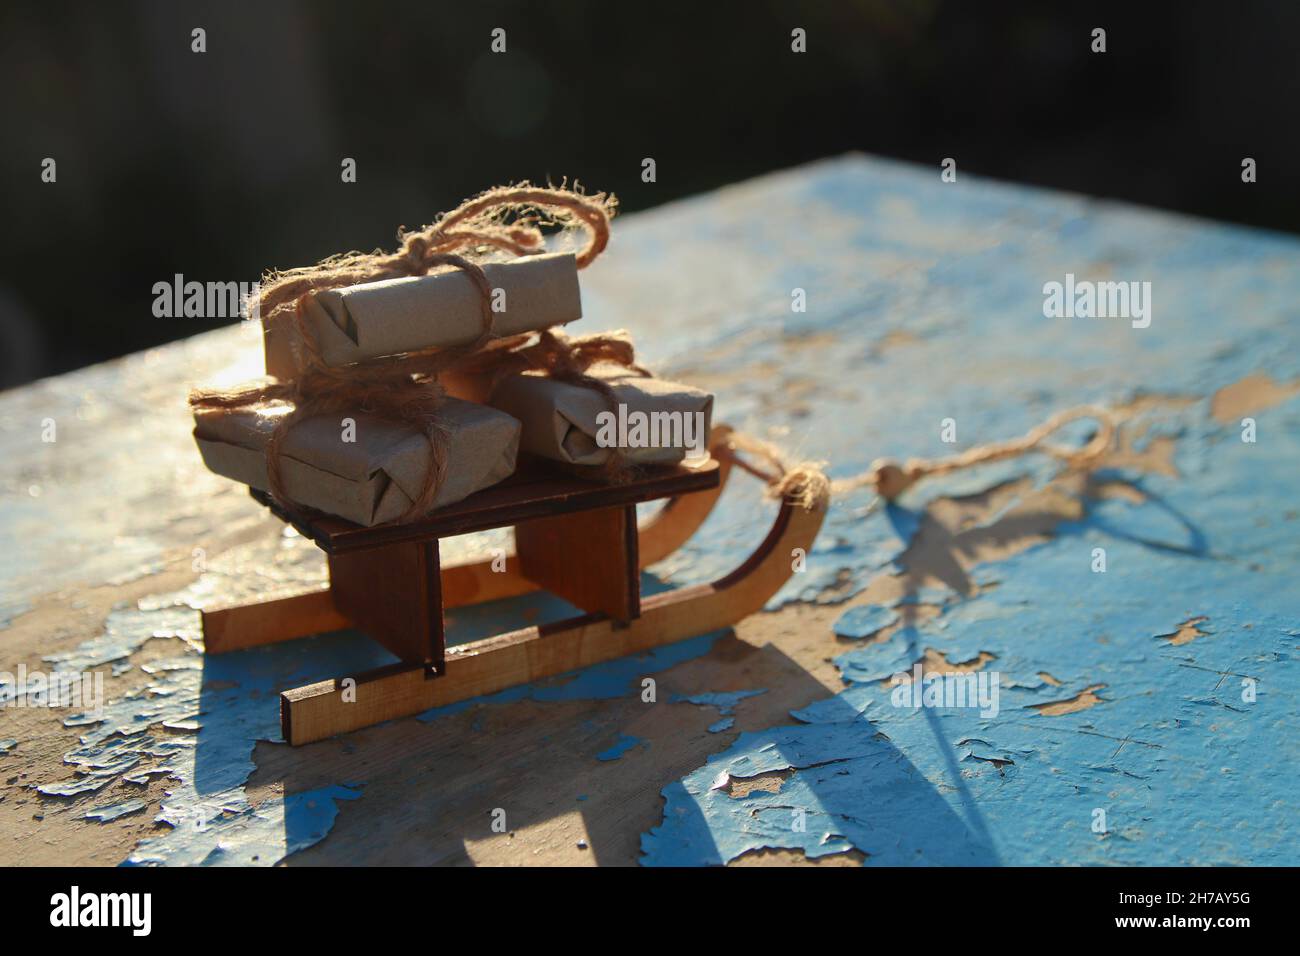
(574, 537)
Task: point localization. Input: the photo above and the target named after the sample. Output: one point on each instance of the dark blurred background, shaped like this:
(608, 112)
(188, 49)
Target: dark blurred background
(223, 164)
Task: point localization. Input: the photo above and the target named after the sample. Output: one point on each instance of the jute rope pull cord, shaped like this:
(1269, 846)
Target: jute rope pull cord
(804, 483)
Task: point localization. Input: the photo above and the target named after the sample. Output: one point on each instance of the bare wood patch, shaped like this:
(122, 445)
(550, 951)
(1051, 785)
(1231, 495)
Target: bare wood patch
(1081, 701)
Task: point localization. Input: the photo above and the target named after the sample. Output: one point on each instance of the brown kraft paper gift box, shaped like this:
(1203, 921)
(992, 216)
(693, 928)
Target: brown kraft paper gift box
(441, 309)
(373, 479)
(563, 422)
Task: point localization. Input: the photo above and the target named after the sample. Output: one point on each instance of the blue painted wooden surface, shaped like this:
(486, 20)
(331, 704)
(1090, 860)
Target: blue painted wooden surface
(924, 302)
(1182, 766)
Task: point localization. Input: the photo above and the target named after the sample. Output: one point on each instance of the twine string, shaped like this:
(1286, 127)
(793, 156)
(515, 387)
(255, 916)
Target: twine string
(804, 483)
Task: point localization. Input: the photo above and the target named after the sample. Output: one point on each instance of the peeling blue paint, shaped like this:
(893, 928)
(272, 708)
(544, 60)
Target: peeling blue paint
(1172, 754)
(621, 746)
(864, 620)
(725, 701)
(197, 720)
(73, 788)
(114, 811)
(232, 832)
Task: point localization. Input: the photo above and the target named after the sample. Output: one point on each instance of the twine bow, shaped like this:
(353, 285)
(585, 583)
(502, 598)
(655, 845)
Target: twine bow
(565, 358)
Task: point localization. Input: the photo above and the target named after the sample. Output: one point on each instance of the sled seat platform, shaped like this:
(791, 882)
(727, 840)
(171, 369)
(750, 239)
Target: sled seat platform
(532, 492)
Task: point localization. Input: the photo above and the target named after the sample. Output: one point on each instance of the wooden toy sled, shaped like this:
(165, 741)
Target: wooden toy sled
(576, 538)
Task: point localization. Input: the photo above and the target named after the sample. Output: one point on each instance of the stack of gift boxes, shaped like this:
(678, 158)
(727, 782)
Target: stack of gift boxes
(369, 470)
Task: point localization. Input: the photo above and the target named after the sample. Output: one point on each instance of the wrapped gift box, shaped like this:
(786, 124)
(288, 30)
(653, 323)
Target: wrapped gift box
(651, 421)
(373, 479)
(442, 309)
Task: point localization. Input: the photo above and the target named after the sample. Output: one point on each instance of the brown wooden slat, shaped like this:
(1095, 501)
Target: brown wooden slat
(394, 594)
(589, 559)
(242, 626)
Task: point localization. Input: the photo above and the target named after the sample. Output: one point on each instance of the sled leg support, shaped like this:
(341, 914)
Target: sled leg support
(241, 626)
(320, 710)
